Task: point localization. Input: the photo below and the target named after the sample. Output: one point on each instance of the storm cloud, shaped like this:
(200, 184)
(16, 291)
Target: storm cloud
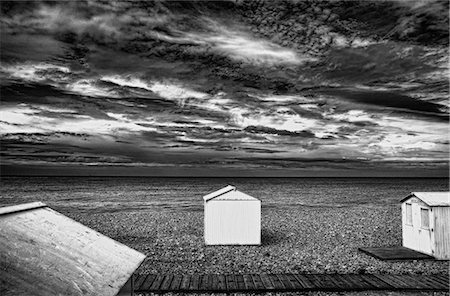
(206, 87)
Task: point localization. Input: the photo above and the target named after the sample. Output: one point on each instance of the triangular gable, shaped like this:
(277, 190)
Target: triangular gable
(431, 198)
(47, 253)
(218, 192)
(228, 193)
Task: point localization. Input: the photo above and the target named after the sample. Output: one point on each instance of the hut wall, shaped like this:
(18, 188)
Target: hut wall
(414, 235)
(442, 232)
(233, 222)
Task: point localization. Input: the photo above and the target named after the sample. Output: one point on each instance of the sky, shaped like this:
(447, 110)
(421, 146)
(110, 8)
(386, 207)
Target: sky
(170, 89)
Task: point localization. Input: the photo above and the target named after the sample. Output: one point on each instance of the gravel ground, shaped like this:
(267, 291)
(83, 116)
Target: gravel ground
(298, 240)
(364, 293)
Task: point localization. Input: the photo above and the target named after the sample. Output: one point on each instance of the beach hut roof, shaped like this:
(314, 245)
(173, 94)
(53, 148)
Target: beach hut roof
(433, 199)
(228, 193)
(47, 253)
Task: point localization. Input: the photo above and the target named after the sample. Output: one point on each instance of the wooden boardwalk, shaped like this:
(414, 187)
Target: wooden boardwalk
(395, 253)
(161, 283)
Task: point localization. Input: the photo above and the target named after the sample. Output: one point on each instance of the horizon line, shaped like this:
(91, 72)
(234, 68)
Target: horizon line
(242, 177)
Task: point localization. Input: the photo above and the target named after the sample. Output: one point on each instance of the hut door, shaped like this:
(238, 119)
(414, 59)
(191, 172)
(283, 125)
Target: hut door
(424, 231)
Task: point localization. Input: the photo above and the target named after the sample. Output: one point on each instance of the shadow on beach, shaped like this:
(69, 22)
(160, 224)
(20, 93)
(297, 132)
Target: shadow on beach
(270, 237)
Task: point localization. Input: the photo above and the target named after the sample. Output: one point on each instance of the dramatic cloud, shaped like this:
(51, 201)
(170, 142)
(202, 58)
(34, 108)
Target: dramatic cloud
(209, 88)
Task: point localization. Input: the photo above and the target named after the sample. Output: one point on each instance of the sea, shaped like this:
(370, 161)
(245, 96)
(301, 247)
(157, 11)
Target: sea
(113, 194)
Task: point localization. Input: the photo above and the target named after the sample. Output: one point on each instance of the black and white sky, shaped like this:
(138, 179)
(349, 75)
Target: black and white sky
(233, 88)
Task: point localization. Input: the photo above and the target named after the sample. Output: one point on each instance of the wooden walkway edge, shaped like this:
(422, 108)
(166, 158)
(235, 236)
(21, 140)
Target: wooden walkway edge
(254, 283)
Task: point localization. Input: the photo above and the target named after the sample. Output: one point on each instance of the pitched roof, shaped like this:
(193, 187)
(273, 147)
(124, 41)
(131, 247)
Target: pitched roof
(431, 198)
(47, 253)
(228, 193)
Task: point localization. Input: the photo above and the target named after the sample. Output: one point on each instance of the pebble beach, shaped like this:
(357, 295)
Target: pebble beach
(308, 225)
(298, 240)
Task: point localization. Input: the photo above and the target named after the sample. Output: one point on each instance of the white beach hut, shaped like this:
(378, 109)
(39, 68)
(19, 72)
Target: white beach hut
(426, 223)
(43, 252)
(232, 218)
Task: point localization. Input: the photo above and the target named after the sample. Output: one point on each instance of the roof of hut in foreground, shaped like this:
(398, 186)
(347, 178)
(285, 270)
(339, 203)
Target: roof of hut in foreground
(46, 253)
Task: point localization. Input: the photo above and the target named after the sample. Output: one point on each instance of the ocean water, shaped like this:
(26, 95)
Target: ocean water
(112, 194)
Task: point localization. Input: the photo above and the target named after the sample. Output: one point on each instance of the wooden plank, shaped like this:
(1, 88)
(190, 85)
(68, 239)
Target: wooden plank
(240, 282)
(396, 285)
(395, 253)
(286, 282)
(147, 282)
(165, 285)
(294, 282)
(185, 282)
(176, 282)
(259, 286)
(278, 285)
(344, 282)
(266, 281)
(438, 278)
(138, 280)
(318, 284)
(359, 282)
(231, 282)
(156, 283)
(249, 284)
(434, 282)
(415, 283)
(22, 207)
(304, 281)
(323, 282)
(194, 283)
(376, 283)
(443, 277)
(340, 283)
(222, 282)
(206, 284)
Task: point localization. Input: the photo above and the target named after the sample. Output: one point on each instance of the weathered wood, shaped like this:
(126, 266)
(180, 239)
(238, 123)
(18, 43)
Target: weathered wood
(376, 282)
(138, 280)
(285, 281)
(249, 284)
(259, 286)
(147, 283)
(340, 283)
(46, 253)
(157, 282)
(278, 285)
(222, 282)
(294, 282)
(193, 285)
(445, 279)
(176, 282)
(231, 282)
(288, 282)
(267, 282)
(205, 283)
(357, 281)
(436, 282)
(185, 282)
(304, 281)
(322, 282)
(22, 207)
(240, 284)
(165, 285)
(395, 253)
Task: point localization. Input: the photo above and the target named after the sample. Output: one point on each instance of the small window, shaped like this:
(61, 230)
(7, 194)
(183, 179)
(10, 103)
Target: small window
(425, 218)
(409, 214)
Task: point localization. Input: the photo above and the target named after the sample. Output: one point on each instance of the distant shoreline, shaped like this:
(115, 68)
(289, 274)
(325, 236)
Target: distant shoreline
(222, 177)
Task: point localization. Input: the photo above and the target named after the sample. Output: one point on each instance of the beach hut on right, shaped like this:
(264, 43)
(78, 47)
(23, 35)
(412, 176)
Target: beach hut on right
(426, 223)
